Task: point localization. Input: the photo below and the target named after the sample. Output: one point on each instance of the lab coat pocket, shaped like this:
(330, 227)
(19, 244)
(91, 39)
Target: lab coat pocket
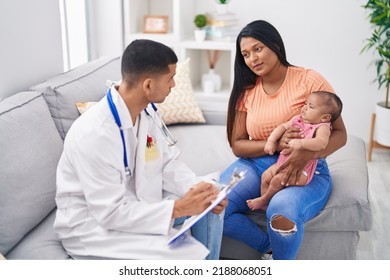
(153, 166)
(152, 152)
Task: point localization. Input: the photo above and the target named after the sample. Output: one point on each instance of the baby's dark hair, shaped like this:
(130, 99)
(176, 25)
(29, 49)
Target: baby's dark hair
(333, 102)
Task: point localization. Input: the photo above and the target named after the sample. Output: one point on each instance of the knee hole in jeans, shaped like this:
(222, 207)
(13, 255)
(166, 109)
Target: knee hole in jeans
(282, 225)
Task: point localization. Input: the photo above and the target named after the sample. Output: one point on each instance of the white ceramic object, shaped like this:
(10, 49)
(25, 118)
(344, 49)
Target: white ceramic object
(200, 35)
(382, 124)
(211, 80)
(222, 8)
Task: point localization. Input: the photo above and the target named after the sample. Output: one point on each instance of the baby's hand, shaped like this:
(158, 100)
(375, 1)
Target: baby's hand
(269, 147)
(295, 144)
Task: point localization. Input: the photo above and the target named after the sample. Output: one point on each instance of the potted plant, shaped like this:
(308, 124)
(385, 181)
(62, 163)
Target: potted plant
(200, 21)
(379, 16)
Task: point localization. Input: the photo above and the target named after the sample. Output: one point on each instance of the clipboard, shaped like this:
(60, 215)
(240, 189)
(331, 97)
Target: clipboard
(225, 190)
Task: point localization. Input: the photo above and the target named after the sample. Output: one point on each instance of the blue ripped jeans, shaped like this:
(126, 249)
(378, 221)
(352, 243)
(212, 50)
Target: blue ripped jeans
(208, 231)
(298, 204)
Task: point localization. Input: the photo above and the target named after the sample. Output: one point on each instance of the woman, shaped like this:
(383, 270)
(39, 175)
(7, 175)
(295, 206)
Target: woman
(268, 91)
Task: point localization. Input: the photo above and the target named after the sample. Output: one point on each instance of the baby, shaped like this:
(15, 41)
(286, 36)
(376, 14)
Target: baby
(320, 110)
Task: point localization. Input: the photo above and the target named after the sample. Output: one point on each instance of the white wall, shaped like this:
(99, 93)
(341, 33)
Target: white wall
(326, 35)
(106, 30)
(30, 48)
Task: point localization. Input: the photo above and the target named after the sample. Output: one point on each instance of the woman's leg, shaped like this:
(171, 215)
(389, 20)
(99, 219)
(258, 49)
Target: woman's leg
(237, 225)
(290, 208)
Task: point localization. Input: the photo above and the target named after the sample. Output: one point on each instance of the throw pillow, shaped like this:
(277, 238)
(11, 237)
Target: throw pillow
(180, 106)
(81, 84)
(83, 107)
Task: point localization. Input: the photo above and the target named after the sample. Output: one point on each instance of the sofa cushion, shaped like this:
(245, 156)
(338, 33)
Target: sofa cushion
(204, 148)
(40, 244)
(215, 117)
(348, 207)
(85, 83)
(30, 148)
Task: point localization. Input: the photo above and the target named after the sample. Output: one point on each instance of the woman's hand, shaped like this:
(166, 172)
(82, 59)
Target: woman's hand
(292, 168)
(291, 133)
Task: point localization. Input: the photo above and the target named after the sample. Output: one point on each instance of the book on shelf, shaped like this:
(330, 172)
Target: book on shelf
(227, 34)
(215, 19)
(217, 16)
(222, 27)
(222, 23)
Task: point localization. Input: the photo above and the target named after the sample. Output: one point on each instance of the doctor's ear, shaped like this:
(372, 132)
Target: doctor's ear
(147, 85)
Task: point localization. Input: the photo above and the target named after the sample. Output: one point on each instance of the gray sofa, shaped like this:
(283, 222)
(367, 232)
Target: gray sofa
(34, 123)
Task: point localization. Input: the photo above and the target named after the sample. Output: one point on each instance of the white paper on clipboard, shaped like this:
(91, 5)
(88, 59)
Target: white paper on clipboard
(225, 190)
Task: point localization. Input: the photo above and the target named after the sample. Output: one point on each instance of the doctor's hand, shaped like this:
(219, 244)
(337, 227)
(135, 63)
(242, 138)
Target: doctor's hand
(220, 207)
(197, 199)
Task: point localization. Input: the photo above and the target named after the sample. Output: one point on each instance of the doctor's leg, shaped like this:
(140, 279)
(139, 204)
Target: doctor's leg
(208, 231)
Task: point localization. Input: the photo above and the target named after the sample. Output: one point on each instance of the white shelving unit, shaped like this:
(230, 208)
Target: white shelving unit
(180, 37)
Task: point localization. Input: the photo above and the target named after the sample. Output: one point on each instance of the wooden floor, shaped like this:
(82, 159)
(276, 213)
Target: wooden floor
(375, 244)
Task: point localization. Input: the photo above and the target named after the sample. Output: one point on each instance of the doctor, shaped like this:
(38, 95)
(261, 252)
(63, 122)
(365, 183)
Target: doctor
(120, 187)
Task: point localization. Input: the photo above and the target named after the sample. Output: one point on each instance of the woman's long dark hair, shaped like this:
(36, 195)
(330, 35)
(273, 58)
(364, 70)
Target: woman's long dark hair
(244, 78)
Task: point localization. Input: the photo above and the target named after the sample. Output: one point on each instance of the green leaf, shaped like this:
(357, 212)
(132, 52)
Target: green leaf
(379, 17)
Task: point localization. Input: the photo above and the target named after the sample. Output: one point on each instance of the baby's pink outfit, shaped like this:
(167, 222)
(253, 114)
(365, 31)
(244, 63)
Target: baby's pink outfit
(308, 130)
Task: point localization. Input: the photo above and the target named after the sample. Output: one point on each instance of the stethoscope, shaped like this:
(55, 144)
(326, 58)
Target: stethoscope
(161, 125)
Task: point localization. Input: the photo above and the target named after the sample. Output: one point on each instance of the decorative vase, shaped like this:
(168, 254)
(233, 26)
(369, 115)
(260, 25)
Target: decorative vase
(211, 82)
(200, 35)
(382, 127)
(222, 8)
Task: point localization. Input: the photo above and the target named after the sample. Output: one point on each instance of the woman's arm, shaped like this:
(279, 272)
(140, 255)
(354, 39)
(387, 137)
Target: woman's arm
(338, 138)
(241, 145)
(299, 159)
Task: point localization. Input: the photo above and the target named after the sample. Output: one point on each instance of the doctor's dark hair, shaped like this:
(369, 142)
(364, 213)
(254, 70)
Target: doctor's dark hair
(145, 57)
(244, 78)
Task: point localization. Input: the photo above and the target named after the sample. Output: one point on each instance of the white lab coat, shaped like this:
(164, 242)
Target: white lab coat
(103, 214)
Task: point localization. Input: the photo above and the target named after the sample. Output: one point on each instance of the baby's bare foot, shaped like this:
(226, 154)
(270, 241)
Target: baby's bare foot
(257, 203)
